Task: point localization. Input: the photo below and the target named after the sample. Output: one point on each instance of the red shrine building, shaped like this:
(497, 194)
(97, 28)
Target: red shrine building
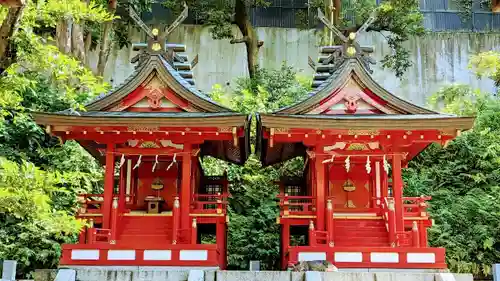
(355, 137)
(157, 206)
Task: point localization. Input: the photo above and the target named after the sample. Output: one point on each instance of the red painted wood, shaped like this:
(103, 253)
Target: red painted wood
(285, 242)
(186, 188)
(361, 197)
(146, 231)
(422, 231)
(148, 109)
(122, 187)
(329, 222)
(397, 185)
(361, 233)
(320, 191)
(213, 253)
(176, 220)
(221, 240)
(109, 178)
(147, 177)
(114, 220)
(366, 263)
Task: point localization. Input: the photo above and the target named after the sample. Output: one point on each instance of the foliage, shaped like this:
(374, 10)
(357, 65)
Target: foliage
(465, 8)
(253, 232)
(463, 180)
(32, 225)
(487, 64)
(42, 70)
(268, 91)
(397, 21)
(37, 206)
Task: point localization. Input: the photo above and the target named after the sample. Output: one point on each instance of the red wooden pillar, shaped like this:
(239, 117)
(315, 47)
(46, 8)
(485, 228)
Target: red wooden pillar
(122, 187)
(83, 235)
(415, 235)
(320, 190)
(329, 223)
(422, 231)
(108, 185)
(220, 233)
(114, 221)
(397, 186)
(176, 219)
(391, 222)
(312, 237)
(285, 243)
(90, 232)
(194, 232)
(186, 187)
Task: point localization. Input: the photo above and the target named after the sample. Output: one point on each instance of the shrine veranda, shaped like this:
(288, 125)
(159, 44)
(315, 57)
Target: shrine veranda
(354, 135)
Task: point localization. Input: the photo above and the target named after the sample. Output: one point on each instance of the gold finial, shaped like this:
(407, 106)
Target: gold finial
(194, 224)
(156, 47)
(351, 51)
(155, 31)
(352, 36)
(311, 225)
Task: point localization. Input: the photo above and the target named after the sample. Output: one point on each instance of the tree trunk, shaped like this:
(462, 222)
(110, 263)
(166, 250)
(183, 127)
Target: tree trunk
(77, 42)
(104, 48)
(63, 35)
(105, 44)
(250, 37)
(7, 30)
(337, 12)
(87, 46)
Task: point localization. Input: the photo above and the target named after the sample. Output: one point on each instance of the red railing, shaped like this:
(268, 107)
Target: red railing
(90, 203)
(297, 205)
(388, 214)
(209, 203)
(415, 206)
(98, 235)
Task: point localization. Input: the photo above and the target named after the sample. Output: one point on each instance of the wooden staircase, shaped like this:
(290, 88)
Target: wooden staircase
(145, 231)
(360, 233)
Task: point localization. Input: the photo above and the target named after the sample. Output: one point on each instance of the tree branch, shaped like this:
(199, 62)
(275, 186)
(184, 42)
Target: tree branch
(243, 39)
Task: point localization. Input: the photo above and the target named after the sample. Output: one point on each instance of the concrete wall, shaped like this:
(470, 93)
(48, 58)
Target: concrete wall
(179, 274)
(438, 58)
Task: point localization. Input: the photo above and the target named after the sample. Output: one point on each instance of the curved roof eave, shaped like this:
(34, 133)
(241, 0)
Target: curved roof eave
(167, 73)
(339, 77)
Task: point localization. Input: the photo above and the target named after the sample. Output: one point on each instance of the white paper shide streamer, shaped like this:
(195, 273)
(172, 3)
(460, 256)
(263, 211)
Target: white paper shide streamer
(386, 165)
(348, 163)
(156, 163)
(368, 165)
(173, 161)
(138, 162)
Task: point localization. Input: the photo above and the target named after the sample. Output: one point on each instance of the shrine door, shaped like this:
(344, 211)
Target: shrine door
(350, 189)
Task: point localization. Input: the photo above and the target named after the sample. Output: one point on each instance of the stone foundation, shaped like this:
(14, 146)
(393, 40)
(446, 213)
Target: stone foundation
(211, 274)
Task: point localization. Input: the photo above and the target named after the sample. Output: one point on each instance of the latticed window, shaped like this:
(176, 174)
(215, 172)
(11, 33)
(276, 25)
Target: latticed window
(295, 190)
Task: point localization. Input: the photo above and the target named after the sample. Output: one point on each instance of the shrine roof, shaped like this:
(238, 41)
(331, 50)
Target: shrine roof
(178, 76)
(335, 85)
(372, 121)
(222, 149)
(329, 78)
(183, 119)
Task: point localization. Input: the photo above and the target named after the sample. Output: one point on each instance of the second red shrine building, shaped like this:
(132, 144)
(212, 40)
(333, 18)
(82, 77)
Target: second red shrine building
(348, 208)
